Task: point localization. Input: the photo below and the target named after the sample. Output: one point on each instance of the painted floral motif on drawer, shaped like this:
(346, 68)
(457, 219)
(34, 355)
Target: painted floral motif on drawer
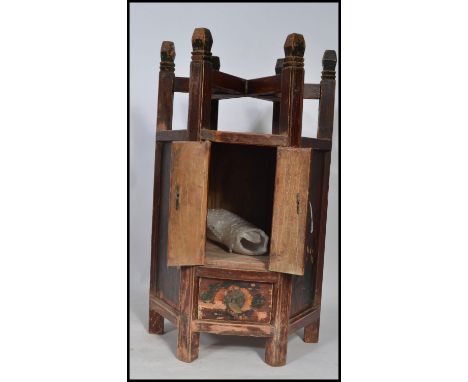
(233, 300)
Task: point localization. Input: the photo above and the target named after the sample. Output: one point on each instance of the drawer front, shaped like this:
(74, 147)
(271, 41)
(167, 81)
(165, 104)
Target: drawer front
(232, 300)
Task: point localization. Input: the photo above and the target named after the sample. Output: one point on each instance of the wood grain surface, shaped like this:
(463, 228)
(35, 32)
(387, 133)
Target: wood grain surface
(290, 210)
(188, 203)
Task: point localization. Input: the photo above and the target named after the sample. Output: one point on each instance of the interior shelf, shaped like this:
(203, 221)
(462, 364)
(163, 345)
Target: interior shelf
(217, 256)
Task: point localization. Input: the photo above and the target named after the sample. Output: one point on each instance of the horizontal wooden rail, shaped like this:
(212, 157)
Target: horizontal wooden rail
(228, 83)
(265, 85)
(227, 86)
(181, 84)
(316, 144)
(171, 135)
(236, 329)
(303, 319)
(244, 138)
(234, 274)
(311, 91)
(221, 95)
(164, 309)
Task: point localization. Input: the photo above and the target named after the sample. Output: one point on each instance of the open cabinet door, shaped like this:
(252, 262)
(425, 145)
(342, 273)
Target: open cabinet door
(188, 198)
(290, 210)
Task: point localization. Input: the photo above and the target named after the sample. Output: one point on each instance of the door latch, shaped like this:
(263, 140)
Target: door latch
(177, 193)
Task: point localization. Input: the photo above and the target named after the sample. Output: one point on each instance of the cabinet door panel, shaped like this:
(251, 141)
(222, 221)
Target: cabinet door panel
(188, 203)
(290, 210)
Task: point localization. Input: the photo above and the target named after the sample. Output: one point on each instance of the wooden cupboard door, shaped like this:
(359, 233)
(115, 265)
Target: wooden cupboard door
(188, 197)
(288, 231)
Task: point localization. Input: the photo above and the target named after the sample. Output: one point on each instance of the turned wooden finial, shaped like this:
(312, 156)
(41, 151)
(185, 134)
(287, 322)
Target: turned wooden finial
(294, 48)
(201, 44)
(167, 56)
(329, 64)
(216, 63)
(279, 65)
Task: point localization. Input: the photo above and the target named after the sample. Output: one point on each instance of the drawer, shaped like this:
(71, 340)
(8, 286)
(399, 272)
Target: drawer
(233, 300)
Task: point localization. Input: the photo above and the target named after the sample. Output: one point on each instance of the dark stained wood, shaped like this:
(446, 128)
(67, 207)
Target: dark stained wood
(234, 300)
(165, 101)
(219, 95)
(214, 114)
(155, 217)
(188, 340)
(167, 278)
(216, 256)
(236, 274)
(166, 84)
(311, 332)
(233, 329)
(236, 170)
(276, 104)
(275, 122)
(327, 98)
(244, 138)
(266, 97)
(163, 122)
(164, 309)
(303, 286)
(156, 322)
(172, 135)
(322, 226)
(181, 84)
(276, 347)
(311, 91)
(197, 284)
(303, 319)
(316, 144)
(292, 89)
(264, 85)
(290, 210)
(214, 103)
(228, 83)
(188, 203)
(201, 69)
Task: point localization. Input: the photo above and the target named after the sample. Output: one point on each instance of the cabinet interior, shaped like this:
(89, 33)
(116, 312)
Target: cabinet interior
(241, 180)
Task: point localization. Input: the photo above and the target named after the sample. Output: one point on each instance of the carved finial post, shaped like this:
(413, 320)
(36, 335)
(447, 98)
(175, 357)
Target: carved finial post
(167, 56)
(292, 89)
(214, 103)
(201, 68)
(201, 44)
(294, 48)
(166, 84)
(276, 104)
(327, 95)
(199, 116)
(329, 64)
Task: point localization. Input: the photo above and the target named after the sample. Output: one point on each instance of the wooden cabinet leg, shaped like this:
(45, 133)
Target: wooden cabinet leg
(187, 343)
(311, 332)
(156, 322)
(277, 346)
(276, 349)
(188, 340)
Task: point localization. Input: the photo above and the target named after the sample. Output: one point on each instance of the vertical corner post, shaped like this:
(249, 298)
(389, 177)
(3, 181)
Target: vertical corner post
(292, 89)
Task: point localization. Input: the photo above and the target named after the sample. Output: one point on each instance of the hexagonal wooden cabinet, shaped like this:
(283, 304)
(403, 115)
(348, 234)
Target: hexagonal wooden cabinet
(277, 181)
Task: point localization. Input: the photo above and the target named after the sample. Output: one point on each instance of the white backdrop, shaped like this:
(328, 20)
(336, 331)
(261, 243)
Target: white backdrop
(248, 39)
